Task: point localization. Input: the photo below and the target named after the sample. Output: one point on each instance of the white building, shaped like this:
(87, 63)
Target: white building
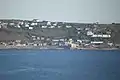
(103, 36)
(42, 38)
(79, 41)
(78, 32)
(26, 25)
(18, 41)
(35, 44)
(62, 40)
(56, 40)
(30, 28)
(18, 26)
(89, 33)
(96, 42)
(48, 23)
(52, 26)
(55, 24)
(44, 26)
(68, 26)
(33, 24)
(38, 38)
(11, 24)
(59, 26)
(79, 29)
(87, 29)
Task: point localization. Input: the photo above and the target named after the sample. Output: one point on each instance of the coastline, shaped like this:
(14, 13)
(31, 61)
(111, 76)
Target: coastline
(49, 47)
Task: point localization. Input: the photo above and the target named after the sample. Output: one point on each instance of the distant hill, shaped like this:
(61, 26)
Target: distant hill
(9, 35)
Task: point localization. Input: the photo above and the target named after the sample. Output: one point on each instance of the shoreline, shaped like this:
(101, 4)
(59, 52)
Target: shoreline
(49, 48)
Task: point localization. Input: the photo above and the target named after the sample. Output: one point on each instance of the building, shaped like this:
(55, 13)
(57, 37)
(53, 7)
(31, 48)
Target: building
(44, 26)
(68, 26)
(90, 33)
(103, 36)
(30, 28)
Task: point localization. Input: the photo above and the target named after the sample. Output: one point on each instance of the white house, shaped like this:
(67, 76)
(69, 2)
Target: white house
(18, 41)
(78, 32)
(79, 41)
(97, 42)
(59, 26)
(79, 28)
(52, 26)
(68, 26)
(11, 24)
(103, 36)
(21, 23)
(18, 26)
(55, 24)
(30, 28)
(42, 38)
(89, 33)
(107, 36)
(87, 29)
(33, 36)
(26, 25)
(48, 23)
(35, 44)
(62, 40)
(56, 40)
(44, 26)
(38, 38)
(33, 24)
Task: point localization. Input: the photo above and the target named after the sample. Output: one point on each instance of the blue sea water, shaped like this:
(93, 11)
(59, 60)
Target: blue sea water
(59, 65)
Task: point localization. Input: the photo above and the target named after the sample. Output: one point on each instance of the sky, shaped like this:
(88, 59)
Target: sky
(87, 11)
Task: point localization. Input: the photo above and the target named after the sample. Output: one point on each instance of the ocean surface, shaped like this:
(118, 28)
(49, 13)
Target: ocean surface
(59, 65)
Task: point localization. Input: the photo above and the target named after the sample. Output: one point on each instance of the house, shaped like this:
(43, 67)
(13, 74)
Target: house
(74, 45)
(78, 32)
(18, 26)
(55, 24)
(55, 40)
(78, 28)
(90, 33)
(38, 38)
(42, 38)
(80, 41)
(48, 23)
(48, 39)
(30, 28)
(34, 44)
(18, 41)
(59, 26)
(87, 29)
(103, 36)
(44, 44)
(33, 24)
(110, 44)
(36, 20)
(11, 24)
(26, 25)
(68, 26)
(62, 39)
(52, 27)
(97, 42)
(34, 37)
(44, 26)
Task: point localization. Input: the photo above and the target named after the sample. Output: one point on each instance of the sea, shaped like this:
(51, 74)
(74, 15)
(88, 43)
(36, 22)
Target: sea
(59, 65)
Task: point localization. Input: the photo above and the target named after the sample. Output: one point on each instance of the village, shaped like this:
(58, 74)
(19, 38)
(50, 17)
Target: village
(36, 34)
